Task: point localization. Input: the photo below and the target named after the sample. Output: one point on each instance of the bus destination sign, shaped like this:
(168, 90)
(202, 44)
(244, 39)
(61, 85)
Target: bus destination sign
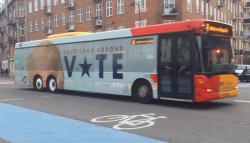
(218, 29)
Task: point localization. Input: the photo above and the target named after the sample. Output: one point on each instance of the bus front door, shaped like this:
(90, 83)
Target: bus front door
(175, 76)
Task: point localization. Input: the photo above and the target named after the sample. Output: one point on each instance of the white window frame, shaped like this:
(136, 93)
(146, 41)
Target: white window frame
(42, 24)
(31, 26)
(71, 17)
(143, 23)
(109, 9)
(63, 19)
(30, 7)
(215, 13)
(55, 2)
(88, 13)
(36, 25)
(35, 5)
(197, 6)
(49, 22)
(62, 1)
(21, 12)
(21, 30)
(120, 6)
(41, 4)
(142, 5)
(202, 7)
(109, 29)
(56, 20)
(189, 5)
(98, 9)
(79, 15)
(168, 21)
(121, 27)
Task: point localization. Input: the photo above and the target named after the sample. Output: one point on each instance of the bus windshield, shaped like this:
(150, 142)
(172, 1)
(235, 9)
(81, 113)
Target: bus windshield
(216, 54)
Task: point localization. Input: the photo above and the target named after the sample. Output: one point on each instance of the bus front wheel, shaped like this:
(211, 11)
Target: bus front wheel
(142, 92)
(52, 84)
(38, 83)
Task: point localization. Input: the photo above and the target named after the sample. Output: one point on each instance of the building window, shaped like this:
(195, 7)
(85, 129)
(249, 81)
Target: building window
(211, 12)
(31, 26)
(189, 5)
(142, 22)
(99, 10)
(36, 25)
(109, 29)
(99, 30)
(202, 7)
(169, 21)
(30, 7)
(121, 27)
(56, 20)
(41, 4)
(21, 29)
(207, 10)
(62, 1)
(42, 23)
(35, 5)
(88, 13)
(21, 11)
(197, 6)
(142, 5)
(79, 15)
(55, 2)
(218, 15)
(109, 9)
(63, 19)
(215, 15)
(71, 17)
(120, 6)
(49, 22)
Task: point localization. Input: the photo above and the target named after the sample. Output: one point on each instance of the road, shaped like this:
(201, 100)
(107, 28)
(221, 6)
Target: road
(75, 117)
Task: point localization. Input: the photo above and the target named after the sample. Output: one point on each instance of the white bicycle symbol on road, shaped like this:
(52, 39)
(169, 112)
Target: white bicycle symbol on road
(126, 122)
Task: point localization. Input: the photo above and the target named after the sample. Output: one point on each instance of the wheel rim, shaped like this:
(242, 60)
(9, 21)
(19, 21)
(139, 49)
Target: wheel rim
(39, 83)
(52, 84)
(143, 91)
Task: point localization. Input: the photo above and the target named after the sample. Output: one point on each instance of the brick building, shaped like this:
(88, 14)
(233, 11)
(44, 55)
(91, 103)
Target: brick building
(23, 20)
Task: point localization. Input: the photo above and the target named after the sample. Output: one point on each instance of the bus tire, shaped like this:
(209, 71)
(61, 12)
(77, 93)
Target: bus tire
(38, 83)
(142, 92)
(51, 84)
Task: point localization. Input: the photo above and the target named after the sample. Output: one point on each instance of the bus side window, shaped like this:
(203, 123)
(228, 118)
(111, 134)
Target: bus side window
(166, 54)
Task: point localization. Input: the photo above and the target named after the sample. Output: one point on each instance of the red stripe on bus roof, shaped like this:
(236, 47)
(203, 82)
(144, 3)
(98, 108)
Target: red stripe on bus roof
(168, 28)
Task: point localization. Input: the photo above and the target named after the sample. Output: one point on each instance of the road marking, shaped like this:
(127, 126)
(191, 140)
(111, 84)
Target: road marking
(48, 96)
(243, 101)
(126, 122)
(22, 125)
(11, 99)
(7, 82)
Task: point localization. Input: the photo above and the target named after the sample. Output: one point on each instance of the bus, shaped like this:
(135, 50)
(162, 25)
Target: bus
(188, 60)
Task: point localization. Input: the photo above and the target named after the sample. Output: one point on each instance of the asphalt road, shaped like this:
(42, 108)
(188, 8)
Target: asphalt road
(220, 121)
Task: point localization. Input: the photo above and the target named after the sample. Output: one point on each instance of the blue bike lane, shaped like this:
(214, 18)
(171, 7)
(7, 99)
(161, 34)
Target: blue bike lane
(22, 125)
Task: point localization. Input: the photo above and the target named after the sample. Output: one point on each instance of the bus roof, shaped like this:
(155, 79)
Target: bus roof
(132, 32)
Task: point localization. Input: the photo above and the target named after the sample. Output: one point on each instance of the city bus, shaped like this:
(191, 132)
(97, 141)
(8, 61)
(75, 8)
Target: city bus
(188, 60)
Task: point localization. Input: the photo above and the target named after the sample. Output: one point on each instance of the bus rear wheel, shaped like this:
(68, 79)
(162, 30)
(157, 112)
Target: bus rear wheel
(52, 84)
(38, 83)
(142, 92)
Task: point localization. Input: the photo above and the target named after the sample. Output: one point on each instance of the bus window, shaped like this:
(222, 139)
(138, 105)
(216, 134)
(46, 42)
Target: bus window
(184, 64)
(166, 67)
(217, 54)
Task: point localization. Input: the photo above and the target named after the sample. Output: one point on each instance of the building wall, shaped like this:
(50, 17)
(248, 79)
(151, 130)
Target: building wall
(152, 14)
